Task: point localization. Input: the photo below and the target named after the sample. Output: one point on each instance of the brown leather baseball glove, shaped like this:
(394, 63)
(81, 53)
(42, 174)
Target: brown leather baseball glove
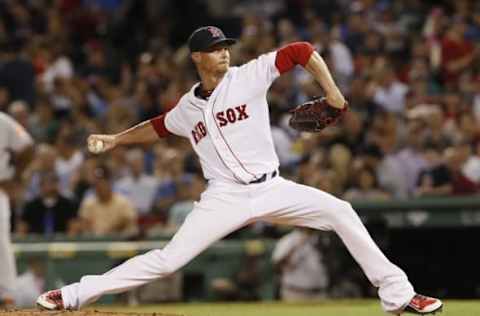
(315, 115)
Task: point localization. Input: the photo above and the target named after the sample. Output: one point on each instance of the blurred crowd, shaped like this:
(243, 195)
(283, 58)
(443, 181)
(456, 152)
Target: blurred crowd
(410, 70)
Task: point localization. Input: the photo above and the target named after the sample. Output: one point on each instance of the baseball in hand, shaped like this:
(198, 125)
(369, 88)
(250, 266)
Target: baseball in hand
(96, 146)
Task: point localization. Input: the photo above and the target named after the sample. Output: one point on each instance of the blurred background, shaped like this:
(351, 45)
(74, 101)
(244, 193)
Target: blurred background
(407, 154)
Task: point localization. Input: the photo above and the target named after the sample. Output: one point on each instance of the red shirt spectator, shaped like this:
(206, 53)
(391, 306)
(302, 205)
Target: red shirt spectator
(457, 52)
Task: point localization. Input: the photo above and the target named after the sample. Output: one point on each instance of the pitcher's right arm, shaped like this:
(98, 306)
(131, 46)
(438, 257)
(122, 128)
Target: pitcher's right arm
(145, 132)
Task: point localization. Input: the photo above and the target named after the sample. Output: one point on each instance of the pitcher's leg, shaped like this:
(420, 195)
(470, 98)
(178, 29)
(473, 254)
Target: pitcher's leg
(8, 269)
(395, 291)
(291, 203)
(201, 228)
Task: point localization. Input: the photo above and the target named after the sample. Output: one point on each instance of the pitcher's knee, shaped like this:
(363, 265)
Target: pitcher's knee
(171, 267)
(344, 213)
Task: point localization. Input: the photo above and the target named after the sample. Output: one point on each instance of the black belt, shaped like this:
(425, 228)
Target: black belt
(263, 178)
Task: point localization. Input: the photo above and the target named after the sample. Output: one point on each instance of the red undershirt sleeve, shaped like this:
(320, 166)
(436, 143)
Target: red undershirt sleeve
(158, 124)
(297, 53)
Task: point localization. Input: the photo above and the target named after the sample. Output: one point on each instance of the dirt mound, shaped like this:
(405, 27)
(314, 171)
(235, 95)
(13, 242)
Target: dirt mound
(36, 312)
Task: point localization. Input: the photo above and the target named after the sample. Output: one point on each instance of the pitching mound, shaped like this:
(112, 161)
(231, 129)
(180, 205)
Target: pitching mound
(36, 312)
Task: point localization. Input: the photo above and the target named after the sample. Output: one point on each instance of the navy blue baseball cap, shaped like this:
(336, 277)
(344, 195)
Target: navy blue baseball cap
(206, 37)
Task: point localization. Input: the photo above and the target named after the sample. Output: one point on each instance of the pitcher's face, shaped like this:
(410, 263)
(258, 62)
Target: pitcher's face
(215, 60)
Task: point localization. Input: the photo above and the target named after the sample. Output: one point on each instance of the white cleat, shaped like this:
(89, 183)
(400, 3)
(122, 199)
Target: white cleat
(51, 300)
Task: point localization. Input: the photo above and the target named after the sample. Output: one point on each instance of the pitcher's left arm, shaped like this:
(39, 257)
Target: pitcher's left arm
(304, 54)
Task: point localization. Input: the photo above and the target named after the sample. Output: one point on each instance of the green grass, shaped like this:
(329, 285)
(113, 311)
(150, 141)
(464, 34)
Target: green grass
(327, 308)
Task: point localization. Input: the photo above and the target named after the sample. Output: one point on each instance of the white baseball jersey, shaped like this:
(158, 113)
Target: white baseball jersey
(13, 138)
(231, 131)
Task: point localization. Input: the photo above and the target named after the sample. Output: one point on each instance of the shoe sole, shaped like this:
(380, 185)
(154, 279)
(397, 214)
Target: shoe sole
(438, 310)
(41, 307)
(44, 308)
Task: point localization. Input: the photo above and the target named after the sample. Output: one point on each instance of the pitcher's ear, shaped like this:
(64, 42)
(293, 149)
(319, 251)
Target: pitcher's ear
(196, 57)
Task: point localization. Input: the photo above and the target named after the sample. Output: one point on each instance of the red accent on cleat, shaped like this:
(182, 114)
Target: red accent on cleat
(421, 305)
(51, 300)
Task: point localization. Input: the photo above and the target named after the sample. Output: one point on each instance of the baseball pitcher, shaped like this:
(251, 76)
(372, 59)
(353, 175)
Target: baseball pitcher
(226, 119)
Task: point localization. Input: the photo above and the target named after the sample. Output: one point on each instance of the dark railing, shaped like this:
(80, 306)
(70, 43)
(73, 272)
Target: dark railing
(451, 204)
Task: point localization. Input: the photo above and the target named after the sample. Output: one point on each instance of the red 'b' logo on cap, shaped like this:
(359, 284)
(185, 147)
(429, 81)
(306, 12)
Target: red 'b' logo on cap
(214, 31)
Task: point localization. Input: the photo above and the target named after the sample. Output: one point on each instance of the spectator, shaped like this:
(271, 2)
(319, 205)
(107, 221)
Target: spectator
(434, 119)
(42, 122)
(468, 164)
(69, 158)
(471, 168)
(119, 164)
(50, 213)
(64, 97)
(476, 99)
(339, 55)
(365, 187)
(353, 132)
(43, 163)
(189, 191)
(473, 33)
(97, 67)
(56, 65)
(283, 141)
(339, 160)
(105, 212)
(434, 179)
(139, 187)
(169, 169)
(390, 93)
(410, 157)
(457, 52)
(456, 157)
(17, 73)
(356, 30)
(303, 275)
(19, 111)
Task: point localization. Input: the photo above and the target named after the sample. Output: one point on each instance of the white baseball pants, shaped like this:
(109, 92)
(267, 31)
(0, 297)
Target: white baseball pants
(8, 270)
(225, 207)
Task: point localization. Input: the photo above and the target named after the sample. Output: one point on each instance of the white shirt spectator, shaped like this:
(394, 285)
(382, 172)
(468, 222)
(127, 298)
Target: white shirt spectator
(471, 169)
(391, 177)
(304, 269)
(60, 68)
(341, 60)
(342, 64)
(283, 146)
(65, 168)
(140, 191)
(392, 98)
(412, 163)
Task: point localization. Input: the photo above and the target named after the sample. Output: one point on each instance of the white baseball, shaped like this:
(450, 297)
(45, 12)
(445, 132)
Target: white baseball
(96, 146)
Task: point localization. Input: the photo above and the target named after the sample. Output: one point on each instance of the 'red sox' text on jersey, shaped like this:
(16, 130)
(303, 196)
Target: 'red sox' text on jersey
(230, 132)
